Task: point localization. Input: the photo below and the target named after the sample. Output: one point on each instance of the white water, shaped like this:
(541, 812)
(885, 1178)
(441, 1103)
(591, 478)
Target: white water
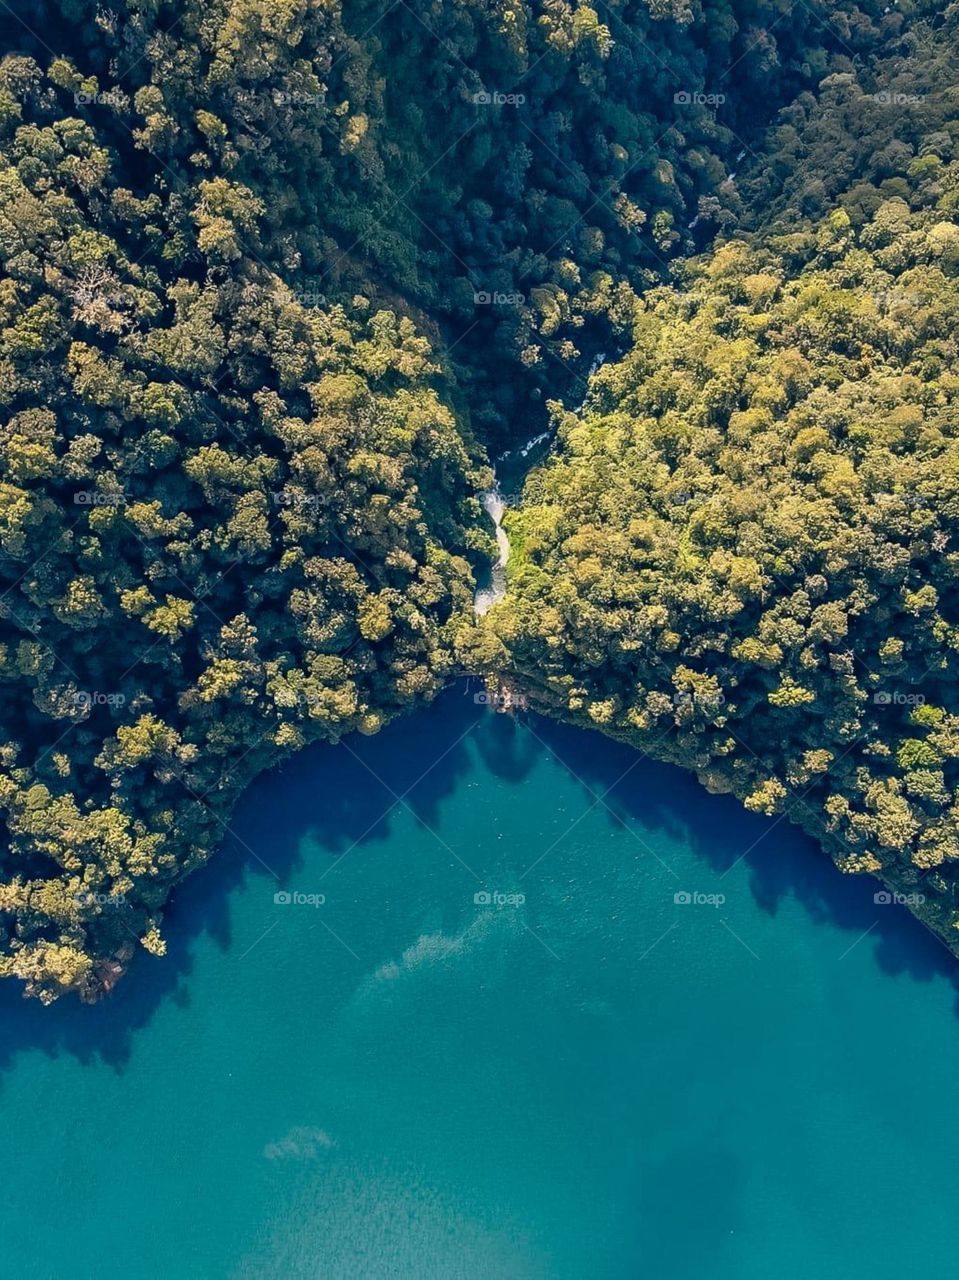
(495, 506)
(526, 449)
(486, 597)
(597, 364)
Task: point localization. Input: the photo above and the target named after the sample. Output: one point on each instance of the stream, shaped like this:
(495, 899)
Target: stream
(495, 504)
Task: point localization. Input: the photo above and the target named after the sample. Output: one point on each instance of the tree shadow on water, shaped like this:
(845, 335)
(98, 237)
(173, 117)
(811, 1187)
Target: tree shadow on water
(340, 796)
(346, 796)
(781, 861)
(506, 750)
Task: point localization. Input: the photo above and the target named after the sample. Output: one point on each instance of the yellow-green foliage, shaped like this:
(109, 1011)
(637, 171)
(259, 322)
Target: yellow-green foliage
(743, 555)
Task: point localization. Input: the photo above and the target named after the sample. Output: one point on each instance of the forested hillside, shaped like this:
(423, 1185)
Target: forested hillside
(743, 555)
(279, 277)
(513, 169)
(229, 523)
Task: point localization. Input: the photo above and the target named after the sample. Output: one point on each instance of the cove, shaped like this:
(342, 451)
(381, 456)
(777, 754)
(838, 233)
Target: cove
(436, 1012)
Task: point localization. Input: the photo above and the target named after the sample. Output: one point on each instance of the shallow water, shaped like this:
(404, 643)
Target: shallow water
(407, 1082)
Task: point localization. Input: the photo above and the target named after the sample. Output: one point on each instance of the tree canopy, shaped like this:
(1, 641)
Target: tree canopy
(280, 276)
(742, 556)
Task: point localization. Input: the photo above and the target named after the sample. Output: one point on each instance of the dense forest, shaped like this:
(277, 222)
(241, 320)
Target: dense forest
(742, 556)
(281, 276)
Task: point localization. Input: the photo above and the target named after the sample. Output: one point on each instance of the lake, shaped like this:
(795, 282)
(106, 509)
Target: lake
(477, 998)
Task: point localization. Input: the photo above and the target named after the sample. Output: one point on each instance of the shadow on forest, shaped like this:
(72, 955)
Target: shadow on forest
(344, 797)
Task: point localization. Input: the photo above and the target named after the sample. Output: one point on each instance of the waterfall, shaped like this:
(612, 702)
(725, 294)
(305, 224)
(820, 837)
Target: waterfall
(494, 504)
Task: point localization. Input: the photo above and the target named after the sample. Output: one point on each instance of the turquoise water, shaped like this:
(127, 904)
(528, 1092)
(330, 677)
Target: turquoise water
(400, 1082)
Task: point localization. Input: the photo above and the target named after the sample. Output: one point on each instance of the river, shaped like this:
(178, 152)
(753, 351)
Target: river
(495, 506)
(518, 462)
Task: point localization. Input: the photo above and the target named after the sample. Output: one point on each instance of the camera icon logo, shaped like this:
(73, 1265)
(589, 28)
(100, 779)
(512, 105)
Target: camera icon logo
(483, 899)
(682, 899)
(683, 98)
(883, 898)
(282, 898)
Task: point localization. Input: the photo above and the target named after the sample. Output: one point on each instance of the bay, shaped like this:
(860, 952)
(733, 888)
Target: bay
(485, 998)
